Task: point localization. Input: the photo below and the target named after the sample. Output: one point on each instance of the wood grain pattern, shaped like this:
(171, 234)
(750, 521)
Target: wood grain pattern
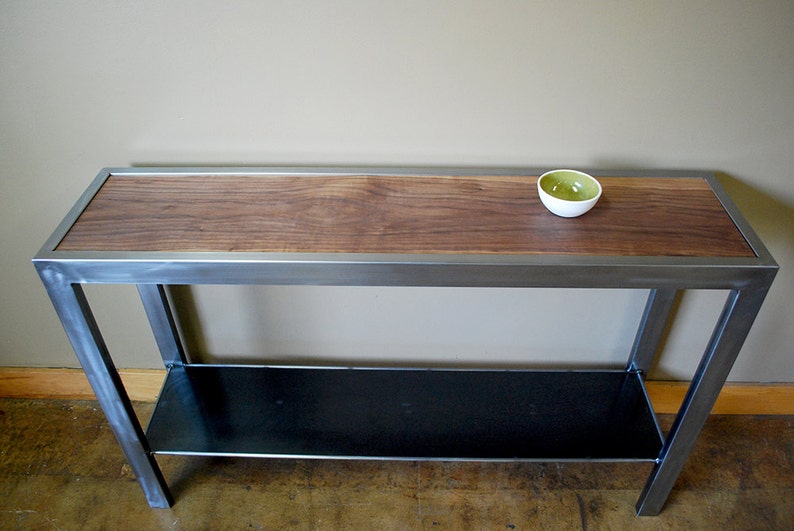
(391, 214)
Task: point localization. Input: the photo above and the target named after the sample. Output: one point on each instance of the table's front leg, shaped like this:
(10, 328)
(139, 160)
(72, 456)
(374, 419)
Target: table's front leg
(729, 334)
(81, 328)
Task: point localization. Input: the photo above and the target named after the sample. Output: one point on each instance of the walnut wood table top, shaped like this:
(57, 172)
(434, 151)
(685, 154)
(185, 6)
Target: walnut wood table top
(405, 214)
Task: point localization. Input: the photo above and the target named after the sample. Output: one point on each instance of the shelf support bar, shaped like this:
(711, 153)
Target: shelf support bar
(738, 314)
(78, 321)
(652, 329)
(163, 323)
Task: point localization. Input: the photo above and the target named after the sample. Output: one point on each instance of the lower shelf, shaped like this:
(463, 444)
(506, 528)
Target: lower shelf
(404, 414)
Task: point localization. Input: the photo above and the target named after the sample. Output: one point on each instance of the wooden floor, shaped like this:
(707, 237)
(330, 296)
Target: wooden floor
(60, 468)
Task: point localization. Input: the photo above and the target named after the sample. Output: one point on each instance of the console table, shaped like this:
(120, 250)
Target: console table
(656, 231)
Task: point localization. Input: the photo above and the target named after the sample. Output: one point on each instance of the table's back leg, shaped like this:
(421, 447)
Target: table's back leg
(163, 323)
(81, 328)
(729, 334)
(651, 330)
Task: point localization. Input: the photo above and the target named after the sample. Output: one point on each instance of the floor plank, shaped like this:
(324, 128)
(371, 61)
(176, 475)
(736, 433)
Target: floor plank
(60, 468)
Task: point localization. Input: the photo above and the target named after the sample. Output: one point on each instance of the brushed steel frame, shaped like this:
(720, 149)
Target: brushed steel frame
(746, 279)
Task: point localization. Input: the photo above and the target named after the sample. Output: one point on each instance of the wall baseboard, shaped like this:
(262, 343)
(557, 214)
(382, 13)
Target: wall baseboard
(71, 384)
(734, 399)
(144, 385)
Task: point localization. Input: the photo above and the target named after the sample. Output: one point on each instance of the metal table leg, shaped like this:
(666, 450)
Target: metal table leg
(81, 328)
(163, 323)
(651, 330)
(729, 334)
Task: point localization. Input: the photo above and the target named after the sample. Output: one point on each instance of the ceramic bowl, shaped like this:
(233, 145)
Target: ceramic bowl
(568, 193)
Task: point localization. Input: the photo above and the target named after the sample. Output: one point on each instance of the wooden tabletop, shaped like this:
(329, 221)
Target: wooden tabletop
(640, 216)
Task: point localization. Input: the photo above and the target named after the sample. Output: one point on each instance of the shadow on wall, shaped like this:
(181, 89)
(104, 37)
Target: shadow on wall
(193, 340)
(771, 218)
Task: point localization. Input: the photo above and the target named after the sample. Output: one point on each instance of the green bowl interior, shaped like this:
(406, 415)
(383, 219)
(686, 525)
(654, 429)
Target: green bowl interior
(569, 186)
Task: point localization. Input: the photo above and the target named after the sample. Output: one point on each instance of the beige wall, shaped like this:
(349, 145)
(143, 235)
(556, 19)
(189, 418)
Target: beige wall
(691, 84)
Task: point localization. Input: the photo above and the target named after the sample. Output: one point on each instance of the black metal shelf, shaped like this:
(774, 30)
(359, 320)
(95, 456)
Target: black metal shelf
(404, 414)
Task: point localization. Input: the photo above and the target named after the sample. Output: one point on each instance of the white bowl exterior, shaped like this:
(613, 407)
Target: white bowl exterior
(564, 208)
